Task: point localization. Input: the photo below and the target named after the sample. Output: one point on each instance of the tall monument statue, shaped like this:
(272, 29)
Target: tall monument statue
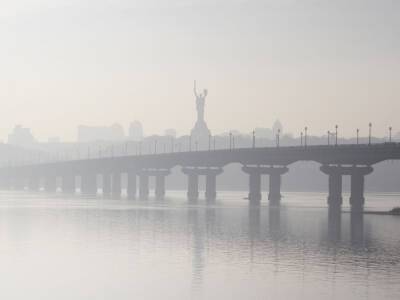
(200, 129)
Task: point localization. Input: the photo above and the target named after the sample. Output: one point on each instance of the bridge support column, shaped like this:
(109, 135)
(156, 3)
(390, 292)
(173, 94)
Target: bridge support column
(335, 174)
(50, 183)
(144, 186)
(275, 179)
(211, 183)
(89, 184)
(68, 184)
(106, 185)
(357, 188)
(193, 183)
(116, 185)
(254, 184)
(131, 188)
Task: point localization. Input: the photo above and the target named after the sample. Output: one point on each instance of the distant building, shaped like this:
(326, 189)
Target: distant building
(170, 132)
(136, 131)
(277, 126)
(87, 134)
(21, 136)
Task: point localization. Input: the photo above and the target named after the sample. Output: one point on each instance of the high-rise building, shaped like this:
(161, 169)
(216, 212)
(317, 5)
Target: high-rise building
(136, 131)
(21, 136)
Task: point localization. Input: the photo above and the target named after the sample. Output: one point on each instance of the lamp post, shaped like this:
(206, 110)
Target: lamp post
(358, 135)
(305, 136)
(230, 141)
(301, 138)
(254, 139)
(214, 143)
(329, 135)
(209, 142)
(155, 147)
(190, 143)
(336, 134)
(369, 133)
(390, 134)
(277, 138)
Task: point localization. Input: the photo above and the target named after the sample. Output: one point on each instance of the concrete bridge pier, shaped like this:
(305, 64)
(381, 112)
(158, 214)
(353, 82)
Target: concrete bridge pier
(211, 183)
(89, 184)
(116, 185)
(50, 183)
(193, 183)
(335, 174)
(254, 184)
(68, 184)
(275, 180)
(131, 187)
(106, 180)
(160, 183)
(144, 185)
(357, 187)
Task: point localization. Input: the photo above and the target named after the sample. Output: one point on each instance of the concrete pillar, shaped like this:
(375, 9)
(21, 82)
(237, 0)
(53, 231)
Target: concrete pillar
(144, 186)
(193, 183)
(106, 185)
(357, 188)
(254, 184)
(275, 179)
(211, 183)
(193, 186)
(116, 185)
(50, 183)
(335, 174)
(68, 184)
(89, 184)
(131, 188)
(160, 186)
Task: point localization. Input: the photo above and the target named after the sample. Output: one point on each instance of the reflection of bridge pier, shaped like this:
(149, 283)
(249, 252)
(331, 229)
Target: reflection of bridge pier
(193, 182)
(357, 173)
(275, 177)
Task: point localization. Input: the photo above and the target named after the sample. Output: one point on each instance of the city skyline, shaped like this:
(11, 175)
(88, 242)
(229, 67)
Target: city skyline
(312, 64)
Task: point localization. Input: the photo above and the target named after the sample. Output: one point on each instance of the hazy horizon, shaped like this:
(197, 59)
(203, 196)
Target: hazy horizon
(314, 63)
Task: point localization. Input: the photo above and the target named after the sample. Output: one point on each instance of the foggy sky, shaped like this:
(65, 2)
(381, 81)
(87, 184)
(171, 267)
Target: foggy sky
(95, 62)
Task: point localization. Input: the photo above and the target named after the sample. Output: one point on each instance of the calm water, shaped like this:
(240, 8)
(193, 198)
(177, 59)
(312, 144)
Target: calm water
(73, 248)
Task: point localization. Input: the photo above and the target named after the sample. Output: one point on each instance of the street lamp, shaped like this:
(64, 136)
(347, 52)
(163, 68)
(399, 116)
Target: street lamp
(190, 143)
(301, 138)
(336, 132)
(155, 147)
(277, 138)
(369, 133)
(305, 136)
(230, 140)
(390, 134)
(329, 135)
(254, 139)
(358, 135)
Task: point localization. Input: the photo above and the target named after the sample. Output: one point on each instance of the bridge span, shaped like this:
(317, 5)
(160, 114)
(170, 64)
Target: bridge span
(336, 161)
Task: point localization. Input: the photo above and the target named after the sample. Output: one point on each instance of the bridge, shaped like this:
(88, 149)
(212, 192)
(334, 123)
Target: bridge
(336, 161)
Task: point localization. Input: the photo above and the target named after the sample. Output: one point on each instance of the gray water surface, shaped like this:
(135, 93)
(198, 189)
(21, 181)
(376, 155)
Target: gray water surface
(53, 247)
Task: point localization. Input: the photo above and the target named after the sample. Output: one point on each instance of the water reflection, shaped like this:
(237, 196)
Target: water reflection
(203, 250)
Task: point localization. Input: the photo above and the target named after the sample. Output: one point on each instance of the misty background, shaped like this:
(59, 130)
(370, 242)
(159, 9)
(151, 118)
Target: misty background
(315, 63)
